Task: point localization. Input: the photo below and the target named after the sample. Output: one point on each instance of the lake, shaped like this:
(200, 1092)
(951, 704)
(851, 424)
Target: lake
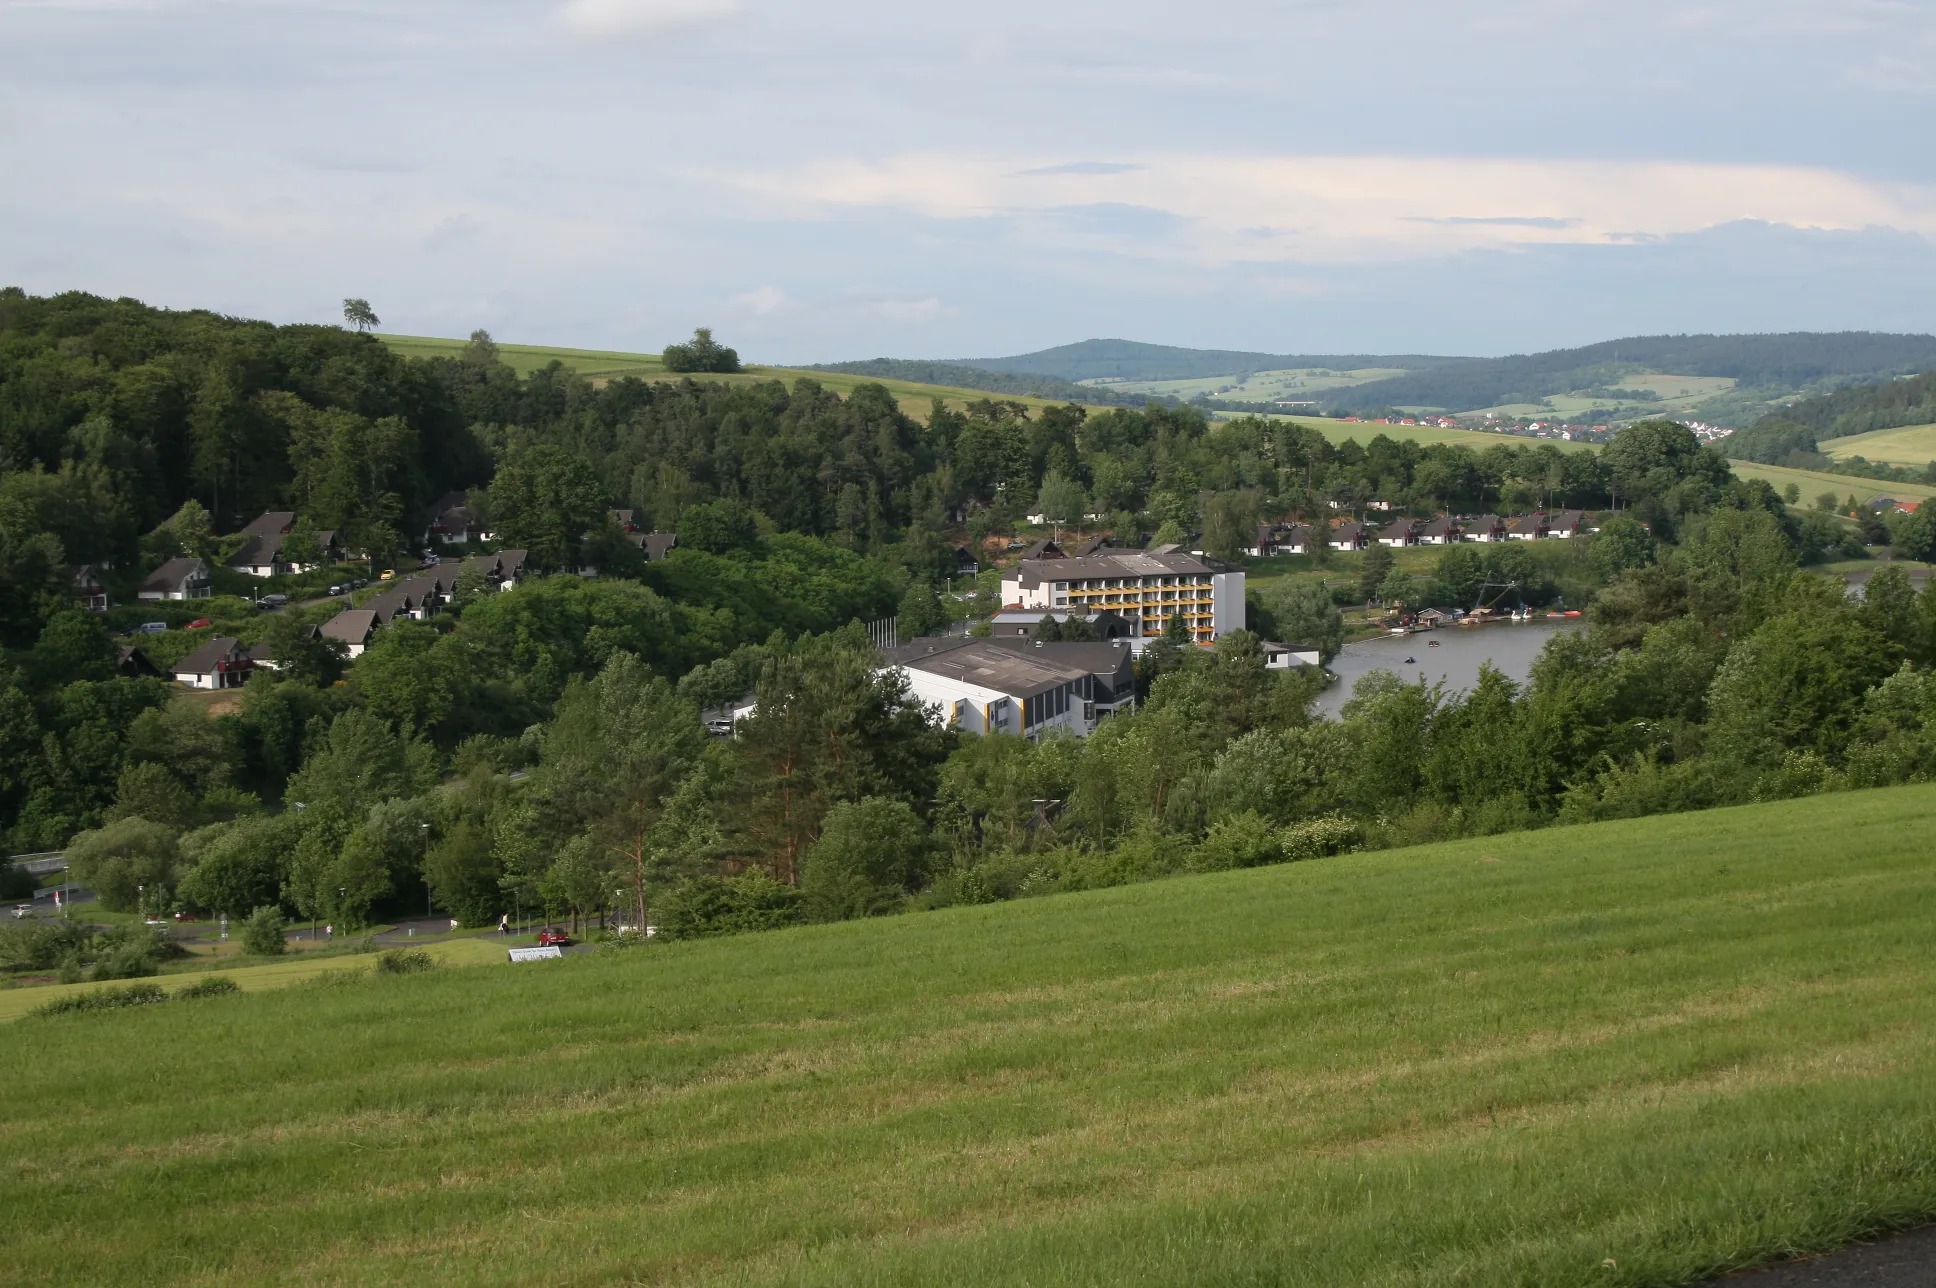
(1511, 647)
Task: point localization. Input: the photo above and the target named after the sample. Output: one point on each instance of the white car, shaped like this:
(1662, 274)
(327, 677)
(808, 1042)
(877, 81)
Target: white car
(23, 910)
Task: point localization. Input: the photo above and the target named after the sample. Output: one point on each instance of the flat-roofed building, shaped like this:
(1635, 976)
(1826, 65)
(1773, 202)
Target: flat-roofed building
(984, 686)
(1145, 587)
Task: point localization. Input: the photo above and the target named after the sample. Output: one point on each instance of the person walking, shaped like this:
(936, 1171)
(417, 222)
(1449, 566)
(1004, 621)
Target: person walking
(504, 923)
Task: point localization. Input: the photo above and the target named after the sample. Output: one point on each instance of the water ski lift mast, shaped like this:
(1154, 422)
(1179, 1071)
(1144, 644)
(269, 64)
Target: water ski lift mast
(1482, 605)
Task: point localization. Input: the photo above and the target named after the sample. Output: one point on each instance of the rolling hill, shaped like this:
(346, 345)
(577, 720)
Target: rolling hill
(1133, 360)
(1635, 1053)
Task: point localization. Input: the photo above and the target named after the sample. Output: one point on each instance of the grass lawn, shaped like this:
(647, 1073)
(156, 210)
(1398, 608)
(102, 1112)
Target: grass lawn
(1910, 445)
(1630, 1054)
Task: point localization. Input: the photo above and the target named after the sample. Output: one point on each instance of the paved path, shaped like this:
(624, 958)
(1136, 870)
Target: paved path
(1905, 1260)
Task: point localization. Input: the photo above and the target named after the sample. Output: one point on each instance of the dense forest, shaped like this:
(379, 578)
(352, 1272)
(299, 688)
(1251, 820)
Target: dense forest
(543, 747)
(1777, 362)
(1859, 409)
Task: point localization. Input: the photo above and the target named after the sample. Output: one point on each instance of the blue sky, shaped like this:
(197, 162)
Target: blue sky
(855, 178)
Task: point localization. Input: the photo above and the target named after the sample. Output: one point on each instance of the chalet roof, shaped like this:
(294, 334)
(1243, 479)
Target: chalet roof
(173, 574)
(271, 523)
(656, 545)
(260, 548)
(1043, 549)
(210, 657)
(390, 603)
(1094, 545)
(135, 661)
(1442, 526)
(1397, 528)
(352, 626)
(1531, 523)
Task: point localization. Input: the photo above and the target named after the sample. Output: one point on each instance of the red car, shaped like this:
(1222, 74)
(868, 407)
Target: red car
(548, 938)
(199, 623)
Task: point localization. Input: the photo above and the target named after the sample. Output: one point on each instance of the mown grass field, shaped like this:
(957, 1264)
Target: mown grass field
(297, 968)
(1910, 445)
(1629, 1054)
(1813, 483)
(598, 364)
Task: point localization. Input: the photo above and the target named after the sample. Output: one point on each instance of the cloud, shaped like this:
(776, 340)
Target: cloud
(1205, 211)
(1086, 167)
(1496, 221)
(609, 19)
(764, 300)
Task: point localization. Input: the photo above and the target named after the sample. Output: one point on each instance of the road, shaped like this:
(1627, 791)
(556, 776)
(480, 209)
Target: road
(1906, 1260)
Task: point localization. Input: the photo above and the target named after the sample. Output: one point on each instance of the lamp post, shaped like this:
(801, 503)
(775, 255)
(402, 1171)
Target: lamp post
(424, 828)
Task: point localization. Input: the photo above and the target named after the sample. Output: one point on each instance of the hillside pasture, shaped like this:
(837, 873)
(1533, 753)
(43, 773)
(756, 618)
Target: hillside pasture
(1637, 1053)
(1814, 482)
(1912, 445)
(1256, 386)
(598, 364)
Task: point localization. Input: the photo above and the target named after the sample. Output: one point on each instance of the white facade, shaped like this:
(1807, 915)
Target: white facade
(977, 709)
(1144, 589)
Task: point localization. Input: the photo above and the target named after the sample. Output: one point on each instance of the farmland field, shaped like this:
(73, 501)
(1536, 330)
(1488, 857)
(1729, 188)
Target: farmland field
(598, 364)
(1636, 1053)
(1258, 386)
(1813, 482)
(1910, 445)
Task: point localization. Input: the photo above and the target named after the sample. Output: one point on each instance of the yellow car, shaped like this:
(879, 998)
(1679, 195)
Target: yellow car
(386, 574)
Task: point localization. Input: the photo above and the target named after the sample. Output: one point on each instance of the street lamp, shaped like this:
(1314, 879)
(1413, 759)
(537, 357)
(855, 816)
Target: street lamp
(424, 828)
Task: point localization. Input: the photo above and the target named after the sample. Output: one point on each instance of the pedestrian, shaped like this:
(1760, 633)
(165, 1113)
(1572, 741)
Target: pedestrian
(329, 933)
(504, 923)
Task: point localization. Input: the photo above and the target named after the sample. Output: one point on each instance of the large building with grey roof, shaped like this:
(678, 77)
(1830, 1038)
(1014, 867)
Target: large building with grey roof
(1147, 587)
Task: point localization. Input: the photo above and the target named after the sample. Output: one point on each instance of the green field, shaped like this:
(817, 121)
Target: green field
(600, 364)
(1913, 445)
(1632, 1054)
(1813, 483)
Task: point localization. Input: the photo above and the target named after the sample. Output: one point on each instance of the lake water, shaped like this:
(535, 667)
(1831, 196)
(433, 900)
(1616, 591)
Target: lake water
(1511, 647)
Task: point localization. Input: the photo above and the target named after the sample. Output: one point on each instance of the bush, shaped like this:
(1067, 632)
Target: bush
(1246, 840)
(40, 944)
(403, 961)
(870, 853)
(1317, 838)
(129, 961)
(213, 986)
(262, 933)
(106, 999)
(706, 907)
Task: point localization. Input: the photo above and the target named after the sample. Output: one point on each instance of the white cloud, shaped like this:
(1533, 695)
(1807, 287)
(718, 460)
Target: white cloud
(1351, 209)
(606, 19)
(761, 302)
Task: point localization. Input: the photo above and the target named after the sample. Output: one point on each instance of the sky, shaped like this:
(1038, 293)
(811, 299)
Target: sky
(856, 178)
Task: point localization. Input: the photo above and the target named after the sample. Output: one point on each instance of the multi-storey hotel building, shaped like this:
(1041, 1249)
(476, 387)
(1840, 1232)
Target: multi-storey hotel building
(1146, 587)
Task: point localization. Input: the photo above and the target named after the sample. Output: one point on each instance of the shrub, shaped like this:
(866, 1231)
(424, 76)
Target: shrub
(128, 961)
(106, 999)
(1315, 838)
(1246, 840)
(213, 986)
(40, 944)
(403, 961)
(262, 933)
(870, 853)
(706, 907)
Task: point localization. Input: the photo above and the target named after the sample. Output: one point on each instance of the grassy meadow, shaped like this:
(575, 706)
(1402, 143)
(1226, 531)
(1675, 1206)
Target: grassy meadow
(599, 364)
(1912, 445)
(1814, 482)
(1636, 1053)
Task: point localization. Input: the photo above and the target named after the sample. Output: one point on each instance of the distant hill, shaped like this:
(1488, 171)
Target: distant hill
(1791, 361)
(966, 376)
(1860, 409)
(1133, 360)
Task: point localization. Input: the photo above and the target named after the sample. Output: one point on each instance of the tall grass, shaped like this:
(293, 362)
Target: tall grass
(1632, 1053)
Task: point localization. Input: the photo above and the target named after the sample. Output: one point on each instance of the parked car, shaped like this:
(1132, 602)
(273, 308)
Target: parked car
(152, 628)
(337, 590)
(357, 583)
(199, 623)
(720, 728)
(272, 601)
(386, 574)
(23, 910)
(428, 561)
(549, 938)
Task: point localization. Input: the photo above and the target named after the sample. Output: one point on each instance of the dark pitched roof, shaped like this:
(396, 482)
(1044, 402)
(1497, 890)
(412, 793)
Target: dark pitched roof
(172, 574)
(656, 545)
(206, 659)
(1093, 546)
(352, 626)
(261, 548)
(271, 523)
(134, 662)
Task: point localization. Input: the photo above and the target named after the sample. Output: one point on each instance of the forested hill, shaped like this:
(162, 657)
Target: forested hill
(959, 375)
(1862, 408)
(1790, 361)
(1133, 360)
